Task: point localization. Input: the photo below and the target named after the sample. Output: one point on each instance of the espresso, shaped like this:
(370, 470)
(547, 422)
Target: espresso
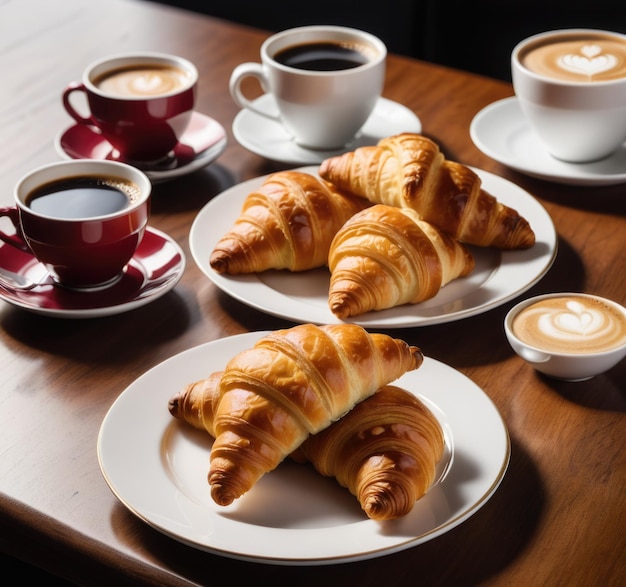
(83, 197)
(571, 324)
(323, 56)
(587, 58)
(143, 81)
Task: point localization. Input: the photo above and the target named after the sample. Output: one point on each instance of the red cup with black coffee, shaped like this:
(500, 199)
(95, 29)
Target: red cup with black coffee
(82, 219)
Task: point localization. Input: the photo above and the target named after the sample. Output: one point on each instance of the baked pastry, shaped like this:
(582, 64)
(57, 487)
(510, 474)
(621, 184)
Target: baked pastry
(386, 256)
(292, 383)
(384, 451)
(409, 171)
(287, 223)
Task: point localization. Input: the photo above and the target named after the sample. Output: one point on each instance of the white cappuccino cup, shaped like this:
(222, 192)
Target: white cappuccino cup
(571, 87)
(325, 81)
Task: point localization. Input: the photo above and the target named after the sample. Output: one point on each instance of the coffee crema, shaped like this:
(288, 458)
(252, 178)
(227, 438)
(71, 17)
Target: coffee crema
(571, 324)
(589, 58)
(324, 56)
(143, 81)
(83, 197)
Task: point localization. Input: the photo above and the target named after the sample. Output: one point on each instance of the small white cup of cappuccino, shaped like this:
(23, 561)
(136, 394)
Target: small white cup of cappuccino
(325, 80)
(571, 87)
(570, 336)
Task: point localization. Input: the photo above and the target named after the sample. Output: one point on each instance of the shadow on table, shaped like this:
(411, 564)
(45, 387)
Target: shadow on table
(162, 320)
(191, 192)
(479, 548)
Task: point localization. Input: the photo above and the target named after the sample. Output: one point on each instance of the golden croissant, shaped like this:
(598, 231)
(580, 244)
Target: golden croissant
(384, 451)
(386, 256)
(292, 383)
(287, 223)
(409, 171)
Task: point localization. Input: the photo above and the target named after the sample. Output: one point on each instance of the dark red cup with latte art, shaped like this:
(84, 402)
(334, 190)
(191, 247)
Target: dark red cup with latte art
(141, 103)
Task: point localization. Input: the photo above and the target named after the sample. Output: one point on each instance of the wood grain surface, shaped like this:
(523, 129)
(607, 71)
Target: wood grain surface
(558, 516)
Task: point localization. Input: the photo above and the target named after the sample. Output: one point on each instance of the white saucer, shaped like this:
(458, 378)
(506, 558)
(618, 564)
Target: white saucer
(501, 132)
(202, 143)
(268, 138)
(156, 267)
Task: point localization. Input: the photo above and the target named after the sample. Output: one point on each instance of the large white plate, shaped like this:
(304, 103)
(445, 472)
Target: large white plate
(498, 277)
(157, 467)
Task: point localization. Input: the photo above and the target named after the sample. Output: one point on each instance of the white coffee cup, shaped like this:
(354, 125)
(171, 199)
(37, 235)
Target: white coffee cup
(571, 86)
(321, 109)
(570, 336)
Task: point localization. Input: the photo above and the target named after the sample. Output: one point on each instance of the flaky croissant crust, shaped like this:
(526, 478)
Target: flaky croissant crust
(292, 383)
(409, 170)
(384, 451)
(386, 256)
(287, 223)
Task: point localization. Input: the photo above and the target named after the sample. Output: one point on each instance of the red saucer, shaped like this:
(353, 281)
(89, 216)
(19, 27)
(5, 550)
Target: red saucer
(156, 267)
(203, 142)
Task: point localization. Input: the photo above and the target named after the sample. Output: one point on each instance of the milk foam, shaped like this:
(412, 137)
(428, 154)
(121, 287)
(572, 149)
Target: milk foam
(587, 60)
(571, 325)
(143, 82)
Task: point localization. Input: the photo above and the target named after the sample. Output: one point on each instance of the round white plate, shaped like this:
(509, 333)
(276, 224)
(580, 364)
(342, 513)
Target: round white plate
(501, 132)
(498, 276)
(268, 138)
(157, 467)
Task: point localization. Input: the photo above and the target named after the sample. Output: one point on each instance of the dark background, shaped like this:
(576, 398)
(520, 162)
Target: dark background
(475, 36)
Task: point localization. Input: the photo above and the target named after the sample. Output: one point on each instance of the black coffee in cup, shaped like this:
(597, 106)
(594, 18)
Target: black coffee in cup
(82, 197)
(322, 56)
(325, 80)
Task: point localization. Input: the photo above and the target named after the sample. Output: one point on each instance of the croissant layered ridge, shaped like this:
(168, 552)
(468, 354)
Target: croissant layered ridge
(287, 223)
(385, 450)
(386, 256)
(409, 171)
(292, 383)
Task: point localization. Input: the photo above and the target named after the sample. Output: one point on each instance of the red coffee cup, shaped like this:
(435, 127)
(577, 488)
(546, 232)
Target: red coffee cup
(141, 103)
(82, 219)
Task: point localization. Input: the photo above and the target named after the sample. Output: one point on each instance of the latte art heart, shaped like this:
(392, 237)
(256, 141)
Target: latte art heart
(143, 81)
(591, 58)
(149, 84)
(591, 61)
(591, 51)
(570, 324)
(575, 320)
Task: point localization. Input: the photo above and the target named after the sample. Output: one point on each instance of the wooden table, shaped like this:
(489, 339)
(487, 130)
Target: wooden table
(558, 517)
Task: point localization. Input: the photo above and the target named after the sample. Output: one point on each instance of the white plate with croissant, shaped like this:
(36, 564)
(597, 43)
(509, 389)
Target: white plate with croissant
(285, 280)
(158, 465)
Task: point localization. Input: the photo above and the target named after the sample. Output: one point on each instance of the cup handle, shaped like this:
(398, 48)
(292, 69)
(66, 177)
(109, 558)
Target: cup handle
(534, 356)
(15, 240)
(242, 71)
(69, 90)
